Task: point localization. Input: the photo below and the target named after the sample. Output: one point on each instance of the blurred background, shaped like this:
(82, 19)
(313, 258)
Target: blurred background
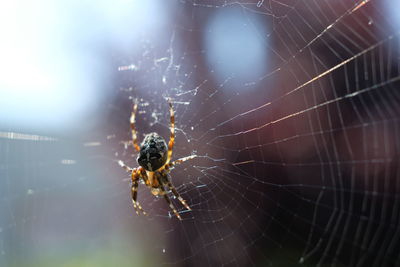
(292, 108)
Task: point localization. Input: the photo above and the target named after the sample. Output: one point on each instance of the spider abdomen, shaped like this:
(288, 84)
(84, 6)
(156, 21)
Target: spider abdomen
(153, 152)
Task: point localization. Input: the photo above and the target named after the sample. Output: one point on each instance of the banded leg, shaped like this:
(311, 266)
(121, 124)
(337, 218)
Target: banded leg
(134, 187)
(136, 204)
(126, 168)
(172, 129)
(133, 129)
(176, 194)
(179, 161)
(171, 205)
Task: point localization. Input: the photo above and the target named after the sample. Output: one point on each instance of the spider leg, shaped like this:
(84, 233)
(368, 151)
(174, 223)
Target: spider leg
(135, 177)
(136, 204)
(170, 203)
(179, 161)
(172, 129)
(122, 164)
(166, 181)
(175, 192)
(133, 129)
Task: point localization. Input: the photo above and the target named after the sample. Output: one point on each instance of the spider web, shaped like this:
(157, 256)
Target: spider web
(297, 164)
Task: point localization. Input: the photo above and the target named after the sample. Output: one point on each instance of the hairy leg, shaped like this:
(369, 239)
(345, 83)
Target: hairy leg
(178, 161)
(166, 197)
(177, 195)
(136, 204)
(133, 129)
(172, 129)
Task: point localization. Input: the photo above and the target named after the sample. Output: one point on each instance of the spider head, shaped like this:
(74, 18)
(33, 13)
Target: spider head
(153, 152)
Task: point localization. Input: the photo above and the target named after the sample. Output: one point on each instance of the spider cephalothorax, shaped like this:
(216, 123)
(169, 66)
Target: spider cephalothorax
(154, 160)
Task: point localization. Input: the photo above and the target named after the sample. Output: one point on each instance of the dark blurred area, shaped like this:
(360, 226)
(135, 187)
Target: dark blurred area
(292, 109)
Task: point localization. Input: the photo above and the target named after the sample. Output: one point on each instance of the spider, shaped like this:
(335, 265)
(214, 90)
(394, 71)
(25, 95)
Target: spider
(155, 164)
